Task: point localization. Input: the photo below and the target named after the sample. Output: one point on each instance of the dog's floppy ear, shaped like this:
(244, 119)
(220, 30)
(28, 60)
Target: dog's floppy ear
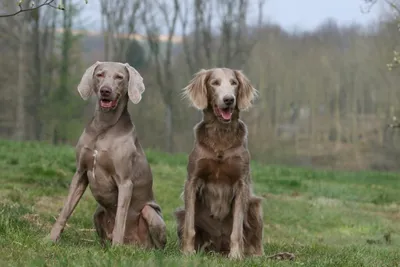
(246, 92)
(85, 87)
(196, 90)
(135, 84)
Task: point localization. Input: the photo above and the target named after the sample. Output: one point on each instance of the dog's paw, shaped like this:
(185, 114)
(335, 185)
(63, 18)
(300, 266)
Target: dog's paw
(188, 250)
(116, 243)
(235, 254)
(159, 236)
(188, 245)
(55, 234)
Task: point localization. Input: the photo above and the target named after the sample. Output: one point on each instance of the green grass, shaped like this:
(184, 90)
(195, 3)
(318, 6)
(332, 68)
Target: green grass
(325, 218)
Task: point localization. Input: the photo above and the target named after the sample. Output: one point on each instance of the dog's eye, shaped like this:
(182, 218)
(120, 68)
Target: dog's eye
(119, 77)
(100, 75)
(215, 82)
(233, 82)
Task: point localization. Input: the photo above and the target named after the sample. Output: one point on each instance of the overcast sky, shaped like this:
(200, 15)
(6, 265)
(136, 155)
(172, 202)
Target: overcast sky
(307, 14)
(290, 14)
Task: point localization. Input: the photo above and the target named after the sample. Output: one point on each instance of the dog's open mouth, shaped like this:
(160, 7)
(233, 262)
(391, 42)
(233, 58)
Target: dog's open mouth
(108, 104)
(224, 113)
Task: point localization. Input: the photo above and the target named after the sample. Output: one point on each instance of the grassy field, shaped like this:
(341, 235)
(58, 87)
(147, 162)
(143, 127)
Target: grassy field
(325, 218)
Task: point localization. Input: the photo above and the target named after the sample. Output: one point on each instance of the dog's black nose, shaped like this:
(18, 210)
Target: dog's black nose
(105, 91)
(228, 99)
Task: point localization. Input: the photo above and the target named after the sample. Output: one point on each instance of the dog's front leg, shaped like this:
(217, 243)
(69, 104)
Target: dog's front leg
(236, 244)
(188, 229)
(124, 200)
(76, 189)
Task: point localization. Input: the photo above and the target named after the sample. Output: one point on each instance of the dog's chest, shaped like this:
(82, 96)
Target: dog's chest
(101, 175)
(217, 198)
(91, 159)
(218, 184)
(221, 171)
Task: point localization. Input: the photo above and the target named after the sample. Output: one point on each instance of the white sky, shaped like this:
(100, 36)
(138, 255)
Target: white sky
(307, 14)
(290, 14)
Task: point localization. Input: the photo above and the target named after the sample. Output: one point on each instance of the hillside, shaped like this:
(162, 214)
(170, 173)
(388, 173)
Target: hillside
(325, 218)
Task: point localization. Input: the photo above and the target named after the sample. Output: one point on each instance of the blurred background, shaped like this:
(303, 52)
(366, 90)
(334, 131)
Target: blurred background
(322, 69)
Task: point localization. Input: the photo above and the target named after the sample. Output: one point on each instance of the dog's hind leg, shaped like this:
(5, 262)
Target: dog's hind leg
(103, 224)
(151, 213)
(207, 230)
(253, 228)
(180, 220)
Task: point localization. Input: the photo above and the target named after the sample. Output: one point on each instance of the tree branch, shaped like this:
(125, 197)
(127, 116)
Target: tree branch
(46, 3)
(183, 16)
(370, 4)
(153, 42)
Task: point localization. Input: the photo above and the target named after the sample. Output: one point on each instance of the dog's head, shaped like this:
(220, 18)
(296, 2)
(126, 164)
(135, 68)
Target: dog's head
(110, 81)
(223, 89)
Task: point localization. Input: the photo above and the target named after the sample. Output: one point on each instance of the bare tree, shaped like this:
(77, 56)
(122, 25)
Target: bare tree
(43, 23)
(24, 6)
(119, 23)
(156, 14)
(20, 122)
(260, 6)
(198, 42)
(220, 33)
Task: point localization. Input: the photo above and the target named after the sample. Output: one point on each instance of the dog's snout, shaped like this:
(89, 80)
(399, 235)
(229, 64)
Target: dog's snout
(228, 100)
(105, 91)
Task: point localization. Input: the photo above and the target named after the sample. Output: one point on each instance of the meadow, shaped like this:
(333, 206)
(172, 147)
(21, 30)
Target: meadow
(325, 218)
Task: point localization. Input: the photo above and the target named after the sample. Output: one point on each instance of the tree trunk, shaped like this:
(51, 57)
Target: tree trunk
(169, 137)
(37, 90)
(62, 96)
(337, 119)
(21, 83)
(312, 117)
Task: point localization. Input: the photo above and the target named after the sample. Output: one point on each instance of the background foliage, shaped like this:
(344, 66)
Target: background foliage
(326, 95)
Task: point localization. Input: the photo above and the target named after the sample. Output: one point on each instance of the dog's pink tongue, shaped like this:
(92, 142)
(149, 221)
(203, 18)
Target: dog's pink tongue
(226, 114)
(106, 104)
